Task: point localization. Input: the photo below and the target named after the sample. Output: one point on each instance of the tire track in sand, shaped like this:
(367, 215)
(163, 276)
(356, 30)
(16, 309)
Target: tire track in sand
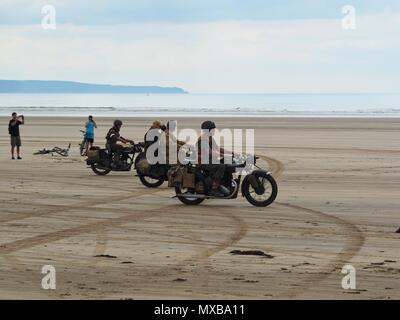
(239, 230)
(354, 238)
(276, 166)
(7, 249)
(353, 242)
(79, 205)
(203, 250)
(30, 242)
(101, 237)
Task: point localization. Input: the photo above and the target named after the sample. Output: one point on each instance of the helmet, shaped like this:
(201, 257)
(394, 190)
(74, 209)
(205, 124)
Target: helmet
(117, 123)
(208, 125)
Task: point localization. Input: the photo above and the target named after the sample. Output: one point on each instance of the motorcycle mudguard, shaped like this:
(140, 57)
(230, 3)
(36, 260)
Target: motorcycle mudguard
(254, 182)
(139, 157)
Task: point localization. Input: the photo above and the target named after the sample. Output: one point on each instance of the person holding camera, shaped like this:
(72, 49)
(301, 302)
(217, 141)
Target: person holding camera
(13, 130)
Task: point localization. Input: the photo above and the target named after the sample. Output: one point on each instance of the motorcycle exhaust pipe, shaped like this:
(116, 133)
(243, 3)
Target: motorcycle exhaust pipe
(196, 196)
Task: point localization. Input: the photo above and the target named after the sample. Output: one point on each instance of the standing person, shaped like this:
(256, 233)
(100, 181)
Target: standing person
(90, 126)
(13, 130)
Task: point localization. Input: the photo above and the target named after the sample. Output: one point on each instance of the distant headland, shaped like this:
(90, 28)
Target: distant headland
(50, 86)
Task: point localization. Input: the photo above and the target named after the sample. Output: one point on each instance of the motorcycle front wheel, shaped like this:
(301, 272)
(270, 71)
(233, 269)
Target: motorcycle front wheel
(99, 170)
(150, 182)
(267, 197)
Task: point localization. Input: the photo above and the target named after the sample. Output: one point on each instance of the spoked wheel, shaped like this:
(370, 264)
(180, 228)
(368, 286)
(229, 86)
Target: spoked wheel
(187, 199)
(61, 152)
(150, 182)
(99, 170)
(82, 148)
(267, 197)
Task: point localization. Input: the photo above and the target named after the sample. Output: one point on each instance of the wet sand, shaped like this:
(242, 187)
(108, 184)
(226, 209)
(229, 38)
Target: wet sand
(111, 238)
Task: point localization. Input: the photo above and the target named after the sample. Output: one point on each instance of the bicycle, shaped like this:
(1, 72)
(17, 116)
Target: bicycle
(83, 145)
(60, 151)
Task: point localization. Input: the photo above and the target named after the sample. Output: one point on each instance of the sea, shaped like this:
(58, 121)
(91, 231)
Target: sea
(201, 105)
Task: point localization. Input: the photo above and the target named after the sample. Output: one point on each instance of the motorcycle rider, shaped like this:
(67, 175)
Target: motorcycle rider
(206, 151)
(113, 136)
(170, 137)
(156, 125)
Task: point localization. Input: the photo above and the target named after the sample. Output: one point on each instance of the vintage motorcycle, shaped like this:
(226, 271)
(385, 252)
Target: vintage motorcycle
(258, 186)
(101, 161)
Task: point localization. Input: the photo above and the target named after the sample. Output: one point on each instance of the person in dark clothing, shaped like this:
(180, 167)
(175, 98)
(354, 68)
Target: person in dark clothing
(113, 136)
(206, 152)
(13, 130)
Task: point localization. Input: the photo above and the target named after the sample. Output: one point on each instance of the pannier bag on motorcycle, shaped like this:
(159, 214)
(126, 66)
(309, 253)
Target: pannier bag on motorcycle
(93, 155)
(179, 176)
(174, 176)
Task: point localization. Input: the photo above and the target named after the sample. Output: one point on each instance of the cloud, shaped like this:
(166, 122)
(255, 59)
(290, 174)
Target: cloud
(221, 56)
(185, 11)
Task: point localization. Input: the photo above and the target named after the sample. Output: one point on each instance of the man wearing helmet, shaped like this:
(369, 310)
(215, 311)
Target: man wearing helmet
(207, 148)
(113, 136)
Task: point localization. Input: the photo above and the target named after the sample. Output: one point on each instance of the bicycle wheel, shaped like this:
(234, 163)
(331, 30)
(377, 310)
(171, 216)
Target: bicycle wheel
(82, 148)
(61, 152)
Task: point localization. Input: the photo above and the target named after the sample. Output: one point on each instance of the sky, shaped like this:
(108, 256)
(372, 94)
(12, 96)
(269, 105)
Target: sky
(206, 46)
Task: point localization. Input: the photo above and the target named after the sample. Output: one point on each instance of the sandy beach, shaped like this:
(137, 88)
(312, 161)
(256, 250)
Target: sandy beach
(112, 238)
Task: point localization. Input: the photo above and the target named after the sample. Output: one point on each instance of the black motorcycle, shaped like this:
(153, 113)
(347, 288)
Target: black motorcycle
(101, 161)
(258, 186)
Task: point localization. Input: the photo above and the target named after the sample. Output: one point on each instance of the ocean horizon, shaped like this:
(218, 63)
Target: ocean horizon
(199, 105)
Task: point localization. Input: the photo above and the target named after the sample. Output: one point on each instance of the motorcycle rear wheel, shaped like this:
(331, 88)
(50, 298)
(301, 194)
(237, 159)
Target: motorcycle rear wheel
(187, 200)
(100, 171)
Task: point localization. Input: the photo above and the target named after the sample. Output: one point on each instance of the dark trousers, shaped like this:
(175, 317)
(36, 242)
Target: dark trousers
(117, 149)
